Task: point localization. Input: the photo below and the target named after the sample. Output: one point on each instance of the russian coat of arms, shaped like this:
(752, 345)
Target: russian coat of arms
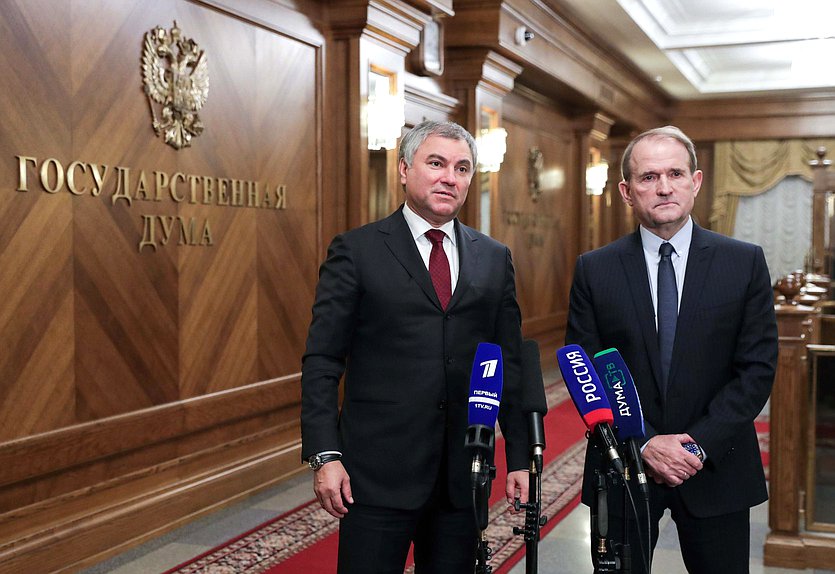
(176, 77)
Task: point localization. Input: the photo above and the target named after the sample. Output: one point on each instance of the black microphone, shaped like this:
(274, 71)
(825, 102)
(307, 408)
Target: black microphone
(629, 420)
(486, 381)
(533, 399)
(586, 392)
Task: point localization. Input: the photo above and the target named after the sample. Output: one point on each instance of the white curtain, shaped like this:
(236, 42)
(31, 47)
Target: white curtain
(780, 220)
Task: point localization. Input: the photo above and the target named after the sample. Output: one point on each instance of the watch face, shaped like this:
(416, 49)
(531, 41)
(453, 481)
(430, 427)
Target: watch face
(694, 449)
(315, 462)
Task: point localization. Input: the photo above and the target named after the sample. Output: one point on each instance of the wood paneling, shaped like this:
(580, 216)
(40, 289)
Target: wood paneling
(788, 544)
(770, 116)
(37, 386)
(146, 384)
(562, 61)
(142, 386)
(542, 234)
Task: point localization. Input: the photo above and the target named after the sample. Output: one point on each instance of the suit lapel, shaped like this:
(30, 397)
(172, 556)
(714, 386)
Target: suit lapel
(399, 240)
(468, 254)
(698, 262)
(635, 270)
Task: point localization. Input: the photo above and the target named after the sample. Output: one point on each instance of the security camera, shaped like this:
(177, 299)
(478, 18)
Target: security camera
(523, 35)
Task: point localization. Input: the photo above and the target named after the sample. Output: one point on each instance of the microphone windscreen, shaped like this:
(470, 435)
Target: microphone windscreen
(623, 396)
(485, 385)
(584, 386)
(533, 389)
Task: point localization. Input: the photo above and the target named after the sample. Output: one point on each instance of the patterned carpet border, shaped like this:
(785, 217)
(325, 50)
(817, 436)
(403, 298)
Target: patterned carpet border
(277, 540)
(561, 482)
(266, 545)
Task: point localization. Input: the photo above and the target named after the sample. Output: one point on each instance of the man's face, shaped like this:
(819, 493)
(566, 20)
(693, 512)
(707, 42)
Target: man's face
(437, 182)
(661, 189)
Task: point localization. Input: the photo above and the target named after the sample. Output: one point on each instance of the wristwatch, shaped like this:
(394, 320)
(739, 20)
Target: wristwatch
(317, 461)
(693, 448)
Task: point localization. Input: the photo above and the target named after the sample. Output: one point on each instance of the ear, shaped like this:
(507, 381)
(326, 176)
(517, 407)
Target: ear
(697, 182)
(625, 194)
(402, 167)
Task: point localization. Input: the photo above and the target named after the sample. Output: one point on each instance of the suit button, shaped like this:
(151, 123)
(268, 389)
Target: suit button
(448, 317)
(449, 360)
(442, 405)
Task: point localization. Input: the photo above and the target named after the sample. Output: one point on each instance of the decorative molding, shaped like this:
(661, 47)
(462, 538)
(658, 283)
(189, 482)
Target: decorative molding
(438, 101)
(109, 522)
(434, 6)
(391, 23)
(596, 125)
(770, 117)
(560, 60)
(483, 68)
(54, 451)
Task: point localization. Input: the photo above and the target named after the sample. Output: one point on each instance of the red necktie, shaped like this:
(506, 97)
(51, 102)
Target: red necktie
(439, 267)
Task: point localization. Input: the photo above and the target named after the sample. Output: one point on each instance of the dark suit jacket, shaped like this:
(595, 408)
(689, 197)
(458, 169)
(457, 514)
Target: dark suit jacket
(723, 361)
(407, 362)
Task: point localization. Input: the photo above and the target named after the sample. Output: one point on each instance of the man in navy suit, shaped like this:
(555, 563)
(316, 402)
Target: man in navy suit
(699, 335)
(391, 461)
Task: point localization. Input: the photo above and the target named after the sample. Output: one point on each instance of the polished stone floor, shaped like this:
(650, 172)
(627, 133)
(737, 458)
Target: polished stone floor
(564, 551)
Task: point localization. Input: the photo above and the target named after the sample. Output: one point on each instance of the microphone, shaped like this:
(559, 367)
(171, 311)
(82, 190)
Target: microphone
(628, 417)
(533, 399)
(586, 391)
(485, 396)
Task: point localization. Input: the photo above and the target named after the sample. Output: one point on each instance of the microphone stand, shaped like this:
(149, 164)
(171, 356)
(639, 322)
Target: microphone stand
(604, 556)
(481, 439)
(626, 550)
(533, 508)
(608, 555)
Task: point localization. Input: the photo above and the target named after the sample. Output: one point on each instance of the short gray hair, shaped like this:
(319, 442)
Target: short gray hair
(671, 132)
(418, 134)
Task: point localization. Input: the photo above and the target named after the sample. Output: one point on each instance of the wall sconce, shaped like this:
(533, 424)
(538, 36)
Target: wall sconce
(492, 145)
(385, 112)
(597, 174)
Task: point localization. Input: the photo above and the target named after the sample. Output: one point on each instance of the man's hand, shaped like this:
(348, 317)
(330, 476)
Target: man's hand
(332, 486)
(517, 487)
(669, 463)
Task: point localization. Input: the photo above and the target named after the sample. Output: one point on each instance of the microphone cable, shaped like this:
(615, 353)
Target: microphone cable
(645, 558)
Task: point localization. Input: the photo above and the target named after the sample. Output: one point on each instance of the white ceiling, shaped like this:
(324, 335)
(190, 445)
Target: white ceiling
(714, 48)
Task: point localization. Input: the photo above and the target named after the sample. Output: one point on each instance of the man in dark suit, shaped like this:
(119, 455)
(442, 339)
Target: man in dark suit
(695, 324)
(391, 462)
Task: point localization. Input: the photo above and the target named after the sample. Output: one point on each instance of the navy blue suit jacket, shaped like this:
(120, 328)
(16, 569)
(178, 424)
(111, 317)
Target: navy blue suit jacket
(723, 362)
(407, 362)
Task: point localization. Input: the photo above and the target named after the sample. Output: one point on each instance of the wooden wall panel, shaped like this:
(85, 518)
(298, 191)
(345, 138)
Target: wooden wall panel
(769, 116)
(543, 234)
(149, 325)
(151, 374)
(36, 315)
(288, 248)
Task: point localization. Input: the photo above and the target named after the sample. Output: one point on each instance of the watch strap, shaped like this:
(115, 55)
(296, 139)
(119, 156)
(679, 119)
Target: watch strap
(317, 461)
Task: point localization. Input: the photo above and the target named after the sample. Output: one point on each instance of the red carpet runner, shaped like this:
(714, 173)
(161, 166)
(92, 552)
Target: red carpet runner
(304, 540)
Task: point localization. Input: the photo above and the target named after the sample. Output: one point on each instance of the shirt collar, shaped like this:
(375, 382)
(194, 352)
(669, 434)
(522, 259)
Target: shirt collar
(419, 226)
(681, 240)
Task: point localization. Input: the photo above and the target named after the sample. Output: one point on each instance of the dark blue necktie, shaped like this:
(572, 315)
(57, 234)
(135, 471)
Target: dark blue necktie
(667, 309)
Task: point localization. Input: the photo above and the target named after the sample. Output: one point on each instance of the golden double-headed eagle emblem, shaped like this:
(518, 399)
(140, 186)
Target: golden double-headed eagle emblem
(176, 77)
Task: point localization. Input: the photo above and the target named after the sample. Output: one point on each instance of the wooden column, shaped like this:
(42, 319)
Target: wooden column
(367, 35)
(596, 222)
(787, 545)
(823, 183)
(479, 79)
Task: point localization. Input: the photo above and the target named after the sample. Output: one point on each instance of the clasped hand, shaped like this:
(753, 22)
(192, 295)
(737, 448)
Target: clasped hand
(667, 461)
